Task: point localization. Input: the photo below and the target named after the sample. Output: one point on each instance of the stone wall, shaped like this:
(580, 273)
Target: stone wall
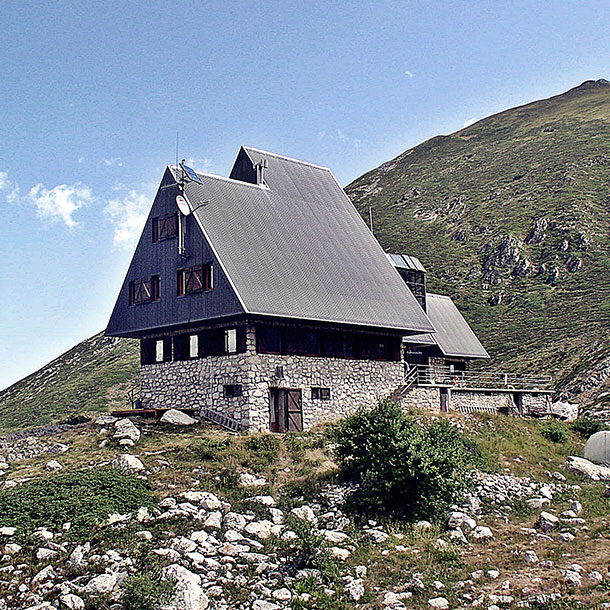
(537, 404)
(422, 398)
(352, 383)
(199, 384)
(468, 400)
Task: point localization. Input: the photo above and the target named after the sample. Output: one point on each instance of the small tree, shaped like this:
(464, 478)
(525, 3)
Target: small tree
(402, 468)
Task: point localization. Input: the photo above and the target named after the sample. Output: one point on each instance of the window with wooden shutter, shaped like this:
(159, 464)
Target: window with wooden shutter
(194, 279)
(164, 227)
(145, 290)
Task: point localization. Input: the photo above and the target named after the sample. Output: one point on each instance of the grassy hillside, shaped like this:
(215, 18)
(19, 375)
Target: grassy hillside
(93, 376)
(511, 217)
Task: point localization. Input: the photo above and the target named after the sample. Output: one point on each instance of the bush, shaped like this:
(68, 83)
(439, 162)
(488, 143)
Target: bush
(83, 498)
(402, 468)
(555, 432)
(586, 426)
(147, 590)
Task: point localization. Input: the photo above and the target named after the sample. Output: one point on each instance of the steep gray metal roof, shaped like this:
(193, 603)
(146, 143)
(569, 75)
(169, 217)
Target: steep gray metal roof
(297, 248)
(453, 334)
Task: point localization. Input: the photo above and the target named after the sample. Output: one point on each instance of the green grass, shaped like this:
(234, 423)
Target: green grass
(83, 498)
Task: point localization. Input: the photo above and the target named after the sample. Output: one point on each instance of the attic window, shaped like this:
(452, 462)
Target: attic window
(145, 290)
(164, 227)
(194, 279)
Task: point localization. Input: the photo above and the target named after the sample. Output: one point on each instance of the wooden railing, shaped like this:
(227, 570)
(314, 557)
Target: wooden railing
(481, 380)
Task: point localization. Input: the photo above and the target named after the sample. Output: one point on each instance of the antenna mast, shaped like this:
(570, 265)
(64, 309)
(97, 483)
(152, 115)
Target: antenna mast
(371, 219)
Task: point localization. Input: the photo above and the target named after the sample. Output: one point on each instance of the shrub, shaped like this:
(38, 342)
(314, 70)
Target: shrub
(554, 431)
(402, 468)
(586, 426)
(147, 590)
(83, 498)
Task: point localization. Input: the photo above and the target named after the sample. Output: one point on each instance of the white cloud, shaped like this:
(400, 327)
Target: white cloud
(60, 202)
(81, 159)
(409, 73)
(113, 161)
(339, 136)
(200, 165)
(128, 215)
(4, 181)
(469, 122)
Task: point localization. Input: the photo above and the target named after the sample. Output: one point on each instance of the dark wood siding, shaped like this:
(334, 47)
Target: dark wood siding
(243, 169)
(163, 258)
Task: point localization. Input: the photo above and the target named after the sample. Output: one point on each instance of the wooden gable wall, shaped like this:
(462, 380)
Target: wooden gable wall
(162, 258)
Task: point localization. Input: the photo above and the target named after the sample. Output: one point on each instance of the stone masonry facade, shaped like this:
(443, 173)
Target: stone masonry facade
(199, 384)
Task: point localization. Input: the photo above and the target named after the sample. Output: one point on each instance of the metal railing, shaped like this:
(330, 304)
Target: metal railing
(488, 380)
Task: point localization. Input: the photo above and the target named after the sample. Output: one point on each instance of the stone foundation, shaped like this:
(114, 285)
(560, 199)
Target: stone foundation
(199, 384)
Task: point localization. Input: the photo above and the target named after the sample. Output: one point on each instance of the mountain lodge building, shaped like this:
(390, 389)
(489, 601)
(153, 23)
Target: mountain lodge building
(263, 301)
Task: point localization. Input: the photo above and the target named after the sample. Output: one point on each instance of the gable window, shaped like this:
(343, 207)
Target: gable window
(320, 393)
(194, 279)
(145, 290)
(230, 341)
(232, 391)
(164, 227)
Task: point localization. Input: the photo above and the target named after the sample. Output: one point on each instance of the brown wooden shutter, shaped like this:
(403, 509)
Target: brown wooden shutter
(170, 226)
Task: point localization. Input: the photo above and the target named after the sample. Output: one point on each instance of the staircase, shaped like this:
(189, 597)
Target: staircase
(402, 390)
(224, 421)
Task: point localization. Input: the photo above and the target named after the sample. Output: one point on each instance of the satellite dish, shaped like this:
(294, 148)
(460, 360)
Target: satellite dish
(183, 205)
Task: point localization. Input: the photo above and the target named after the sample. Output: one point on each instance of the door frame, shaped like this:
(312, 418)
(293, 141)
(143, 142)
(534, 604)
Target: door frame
(283, 416)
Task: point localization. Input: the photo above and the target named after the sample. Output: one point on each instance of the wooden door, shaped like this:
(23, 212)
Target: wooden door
(294, 411)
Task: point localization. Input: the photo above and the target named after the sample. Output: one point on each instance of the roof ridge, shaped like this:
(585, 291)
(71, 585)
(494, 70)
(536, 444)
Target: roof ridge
(225, 178)
(268, 152)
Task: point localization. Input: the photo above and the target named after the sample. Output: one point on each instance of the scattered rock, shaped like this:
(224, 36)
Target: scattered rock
(174, 417)
(250, 480)
(53, 466)
(128, 463)
(188, 592)
(439, 602)
(588, 469)
(547, 522)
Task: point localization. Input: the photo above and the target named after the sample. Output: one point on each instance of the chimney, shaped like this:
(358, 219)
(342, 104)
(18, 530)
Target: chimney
(260, 167)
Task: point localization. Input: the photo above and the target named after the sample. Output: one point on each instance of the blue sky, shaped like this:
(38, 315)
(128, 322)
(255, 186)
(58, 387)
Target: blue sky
(93, 93)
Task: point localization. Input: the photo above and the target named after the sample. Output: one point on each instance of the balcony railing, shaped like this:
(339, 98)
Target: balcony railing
(425, 375)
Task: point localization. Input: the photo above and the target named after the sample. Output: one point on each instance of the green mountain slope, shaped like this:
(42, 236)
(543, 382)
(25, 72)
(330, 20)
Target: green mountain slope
(94, 375)
(511, 217)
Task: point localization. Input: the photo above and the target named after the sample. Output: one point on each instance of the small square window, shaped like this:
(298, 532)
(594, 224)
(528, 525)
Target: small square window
(320, 393)
(232, 391)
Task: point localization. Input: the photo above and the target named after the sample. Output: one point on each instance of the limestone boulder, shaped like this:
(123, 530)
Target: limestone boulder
(125, 429)
(127, 463)
(173, 417)
(588, 469)
(188, 592)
